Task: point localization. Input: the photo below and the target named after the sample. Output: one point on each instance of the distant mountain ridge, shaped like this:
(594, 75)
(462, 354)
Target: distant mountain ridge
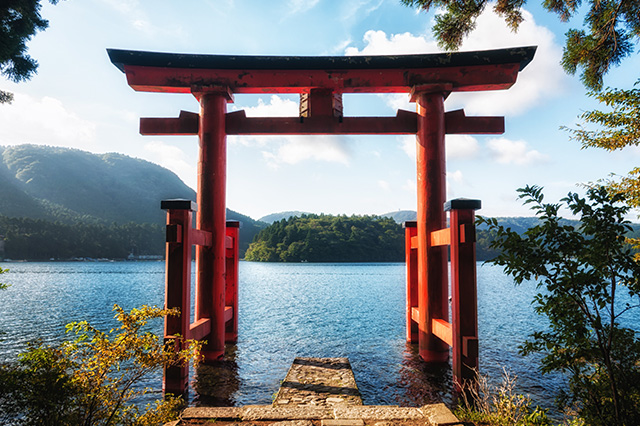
(70, 185)
(51, 183)
(277, 217)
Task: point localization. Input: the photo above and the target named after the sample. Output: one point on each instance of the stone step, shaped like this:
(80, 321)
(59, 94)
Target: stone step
(319, 382)
(428, 415)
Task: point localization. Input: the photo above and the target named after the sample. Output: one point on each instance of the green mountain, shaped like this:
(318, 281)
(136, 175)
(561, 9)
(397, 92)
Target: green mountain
(402, 216)
(326, 238)
(277, 217)
(63, 184)
(71, 186)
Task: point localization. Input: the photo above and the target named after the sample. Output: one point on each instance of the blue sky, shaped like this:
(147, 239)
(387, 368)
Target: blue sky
(79, 99)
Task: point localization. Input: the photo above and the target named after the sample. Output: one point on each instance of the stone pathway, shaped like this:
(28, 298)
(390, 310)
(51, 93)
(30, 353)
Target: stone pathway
(319, 382)
(318, 392)
(345, 415)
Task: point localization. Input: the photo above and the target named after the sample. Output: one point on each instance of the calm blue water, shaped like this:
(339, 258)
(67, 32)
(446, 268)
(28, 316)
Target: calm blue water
(286, 310)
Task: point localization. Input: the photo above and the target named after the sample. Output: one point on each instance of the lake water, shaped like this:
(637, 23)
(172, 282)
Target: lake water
(286, 310)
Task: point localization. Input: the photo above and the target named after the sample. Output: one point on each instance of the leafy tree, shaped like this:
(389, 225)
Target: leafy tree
(3, 286)
(613, 130)
(607, 38)
(94, 379)
(581, 272)
(19, 21)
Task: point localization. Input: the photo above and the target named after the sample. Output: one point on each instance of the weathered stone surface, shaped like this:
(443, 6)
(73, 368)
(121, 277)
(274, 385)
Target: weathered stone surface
(293, 423)
(267, 412)
(222, 413)
(343, 422)
(439, 414)
(318, 382)
(378, 412)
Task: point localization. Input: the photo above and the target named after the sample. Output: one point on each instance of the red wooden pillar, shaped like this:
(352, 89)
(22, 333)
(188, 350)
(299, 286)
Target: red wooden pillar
(411, 259)
(432, 261)
(177, 285)
(464, 306)
(231, 281)
(210, 261)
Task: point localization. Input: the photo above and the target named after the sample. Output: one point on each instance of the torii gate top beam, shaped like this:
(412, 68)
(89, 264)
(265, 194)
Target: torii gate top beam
(188, 73)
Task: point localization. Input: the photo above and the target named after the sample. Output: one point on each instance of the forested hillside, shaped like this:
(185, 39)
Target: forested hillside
(63, 191)
(36, 239)
(325, 238)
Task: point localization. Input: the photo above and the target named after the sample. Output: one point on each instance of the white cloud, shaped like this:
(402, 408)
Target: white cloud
(461, 146)
(44, 121)
(408, 145)
(300, 6)
(125, 7)
(174, 159)
(277, 107)
(505, 151)
(358, 10)
(294, 150)
(457, 146)
(378, 43)
(398, 101)
(410, 185)
(543, 78)
(384, 185)
(456, 177)
(133, 12)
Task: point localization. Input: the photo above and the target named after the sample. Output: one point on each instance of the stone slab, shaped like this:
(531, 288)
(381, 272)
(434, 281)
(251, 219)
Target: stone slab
(319, 382)
(439, 414)
(343, 422)
(378, 412)
(221, 413)
(267, 412)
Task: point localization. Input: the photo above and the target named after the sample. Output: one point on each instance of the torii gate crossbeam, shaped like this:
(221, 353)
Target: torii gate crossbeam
(321, 81)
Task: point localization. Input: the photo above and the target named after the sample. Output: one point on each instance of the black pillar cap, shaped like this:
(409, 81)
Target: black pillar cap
(410, 224)
(233, 224)
(179, 204)
(462, 204)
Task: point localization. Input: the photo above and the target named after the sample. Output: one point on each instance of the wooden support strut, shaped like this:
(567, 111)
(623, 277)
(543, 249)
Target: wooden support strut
(180, 236)
(462, 333)
(210, 261)
(464, 305)
(433, 300)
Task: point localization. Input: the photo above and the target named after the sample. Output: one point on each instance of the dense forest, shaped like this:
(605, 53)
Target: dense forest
(36, 239)
(325, 238)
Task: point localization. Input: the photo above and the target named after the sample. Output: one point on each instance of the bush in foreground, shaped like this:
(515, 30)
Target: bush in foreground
(93, 379)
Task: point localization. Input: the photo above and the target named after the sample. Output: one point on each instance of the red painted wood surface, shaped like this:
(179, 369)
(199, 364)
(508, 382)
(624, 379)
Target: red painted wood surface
(181, 80)
(464, 306)
(231, 281)
(405, 122)
(411, 260)
(210, 261)
(178, 293)
(433, 297)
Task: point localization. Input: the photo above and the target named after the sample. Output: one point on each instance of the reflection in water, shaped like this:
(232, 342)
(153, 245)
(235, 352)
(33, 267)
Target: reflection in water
(215, 384)
(424, 383)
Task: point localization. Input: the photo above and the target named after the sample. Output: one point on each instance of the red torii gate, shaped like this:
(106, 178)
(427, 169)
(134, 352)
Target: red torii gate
(321, 81)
